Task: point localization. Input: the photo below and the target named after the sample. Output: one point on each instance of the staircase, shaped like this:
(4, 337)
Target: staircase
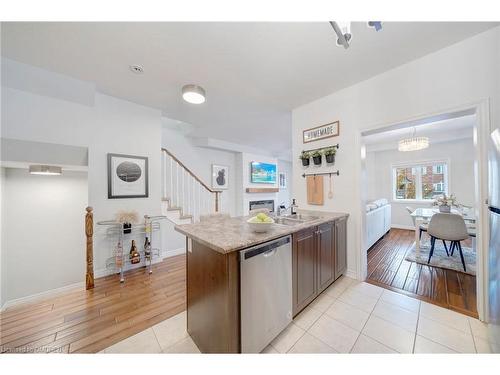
(185, 196)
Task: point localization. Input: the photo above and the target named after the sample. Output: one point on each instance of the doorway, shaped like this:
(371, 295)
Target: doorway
(453, 163)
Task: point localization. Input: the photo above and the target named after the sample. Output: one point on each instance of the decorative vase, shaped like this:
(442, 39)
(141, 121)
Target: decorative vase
(317, 160)
(330, 158)
(305, 162)
(445, 209)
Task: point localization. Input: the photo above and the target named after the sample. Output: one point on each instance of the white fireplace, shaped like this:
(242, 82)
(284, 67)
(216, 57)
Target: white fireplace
(258, 204)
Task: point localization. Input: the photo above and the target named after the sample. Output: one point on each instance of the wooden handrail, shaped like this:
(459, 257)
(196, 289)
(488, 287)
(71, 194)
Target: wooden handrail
(216, 192)
(89, 233)
(190, 172)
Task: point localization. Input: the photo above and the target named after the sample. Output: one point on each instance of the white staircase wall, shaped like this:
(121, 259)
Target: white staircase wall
(200, 160)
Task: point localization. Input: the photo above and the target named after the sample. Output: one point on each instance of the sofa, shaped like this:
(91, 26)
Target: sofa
(378, 221)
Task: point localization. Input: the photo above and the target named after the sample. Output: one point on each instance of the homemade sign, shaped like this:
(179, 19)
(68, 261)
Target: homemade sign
(321, 132)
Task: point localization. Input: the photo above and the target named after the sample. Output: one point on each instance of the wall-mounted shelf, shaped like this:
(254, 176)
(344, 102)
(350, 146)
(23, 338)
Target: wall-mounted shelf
(262, 190)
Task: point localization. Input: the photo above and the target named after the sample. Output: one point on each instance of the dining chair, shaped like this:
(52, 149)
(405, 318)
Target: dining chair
(422, 227)
(448, 227)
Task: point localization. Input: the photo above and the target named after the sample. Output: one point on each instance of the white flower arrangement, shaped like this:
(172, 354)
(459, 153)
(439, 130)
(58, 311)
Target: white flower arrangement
(444, 200)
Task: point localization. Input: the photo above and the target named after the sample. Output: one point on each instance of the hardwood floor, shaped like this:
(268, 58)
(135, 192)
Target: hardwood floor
(388, 268)
(89, 321)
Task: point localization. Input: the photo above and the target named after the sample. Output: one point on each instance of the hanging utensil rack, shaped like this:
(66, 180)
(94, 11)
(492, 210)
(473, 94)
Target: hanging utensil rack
(321, 174)
(337, 146)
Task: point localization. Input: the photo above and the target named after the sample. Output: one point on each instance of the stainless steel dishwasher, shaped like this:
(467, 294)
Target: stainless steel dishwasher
(266, 293)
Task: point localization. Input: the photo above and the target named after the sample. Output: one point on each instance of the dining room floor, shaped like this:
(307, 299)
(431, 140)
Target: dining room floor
(388, 268)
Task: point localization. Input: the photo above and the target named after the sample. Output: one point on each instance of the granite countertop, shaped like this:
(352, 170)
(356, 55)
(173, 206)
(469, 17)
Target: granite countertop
(227, 234)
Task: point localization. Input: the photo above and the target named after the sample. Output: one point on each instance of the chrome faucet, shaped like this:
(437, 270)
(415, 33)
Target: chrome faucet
(282, 208)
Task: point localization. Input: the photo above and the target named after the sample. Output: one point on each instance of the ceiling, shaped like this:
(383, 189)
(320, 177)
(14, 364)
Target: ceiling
(437, 131)
(254, 73)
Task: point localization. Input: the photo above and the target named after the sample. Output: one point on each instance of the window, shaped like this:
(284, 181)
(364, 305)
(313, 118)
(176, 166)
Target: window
(420, 181)
(439, 187)
(437, 169)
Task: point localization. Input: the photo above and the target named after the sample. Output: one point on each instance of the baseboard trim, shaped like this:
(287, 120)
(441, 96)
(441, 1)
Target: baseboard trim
(42, 295)
(174, 252)
(407, 227)
(352, 274)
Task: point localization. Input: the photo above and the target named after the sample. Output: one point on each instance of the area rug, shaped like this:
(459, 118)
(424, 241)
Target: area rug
(439, 258)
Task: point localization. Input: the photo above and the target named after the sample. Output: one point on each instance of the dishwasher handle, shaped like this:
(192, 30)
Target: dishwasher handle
(267, 249)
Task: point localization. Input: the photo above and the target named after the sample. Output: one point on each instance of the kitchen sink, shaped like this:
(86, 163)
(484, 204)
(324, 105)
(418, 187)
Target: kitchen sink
(301, 217)
(287, 221)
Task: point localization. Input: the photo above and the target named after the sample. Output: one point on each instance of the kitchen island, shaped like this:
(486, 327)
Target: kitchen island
(316, 241)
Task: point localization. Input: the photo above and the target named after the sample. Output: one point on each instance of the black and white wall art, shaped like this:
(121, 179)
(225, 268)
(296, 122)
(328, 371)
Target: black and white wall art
(127, 176)
(220, 176)
(282, 180)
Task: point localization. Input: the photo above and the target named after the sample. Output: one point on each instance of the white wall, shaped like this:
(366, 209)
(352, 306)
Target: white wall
(43, 240)
(285, 195)
(460, 155)
(3, 288)
(461, 74)
(109, 125)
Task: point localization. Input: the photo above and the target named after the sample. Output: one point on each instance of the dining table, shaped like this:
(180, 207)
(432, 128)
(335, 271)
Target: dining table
(423, 215)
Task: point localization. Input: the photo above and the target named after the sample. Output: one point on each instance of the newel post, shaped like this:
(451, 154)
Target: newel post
(89, 233)
(216, 201)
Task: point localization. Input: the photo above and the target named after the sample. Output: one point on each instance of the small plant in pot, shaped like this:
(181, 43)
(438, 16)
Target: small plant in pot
(305, 156)
(329, 153)
(316, 155)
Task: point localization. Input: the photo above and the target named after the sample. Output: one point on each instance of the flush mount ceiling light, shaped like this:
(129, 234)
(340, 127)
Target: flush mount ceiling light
(47, 170)
(193, 94)
(413, 143)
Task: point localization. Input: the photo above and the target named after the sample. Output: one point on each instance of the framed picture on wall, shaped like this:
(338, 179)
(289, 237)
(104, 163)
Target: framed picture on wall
(282, 180)
(127, 176)
(220, 176)
(262, 173)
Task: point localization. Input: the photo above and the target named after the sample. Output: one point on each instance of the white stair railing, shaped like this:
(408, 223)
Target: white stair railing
(184, 191)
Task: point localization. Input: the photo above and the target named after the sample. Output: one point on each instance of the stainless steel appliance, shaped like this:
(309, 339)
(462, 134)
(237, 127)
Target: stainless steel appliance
(266, 293)
(494, 241)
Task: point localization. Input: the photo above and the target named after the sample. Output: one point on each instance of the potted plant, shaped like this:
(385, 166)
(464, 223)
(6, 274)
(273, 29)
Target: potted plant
(304, 156)
(445, 202)
(329, 153)
(316, 155)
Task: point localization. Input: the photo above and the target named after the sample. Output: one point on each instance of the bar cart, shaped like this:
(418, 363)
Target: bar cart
(116, 232)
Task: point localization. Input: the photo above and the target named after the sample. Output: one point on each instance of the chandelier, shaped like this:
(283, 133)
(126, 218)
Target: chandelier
(413, 143)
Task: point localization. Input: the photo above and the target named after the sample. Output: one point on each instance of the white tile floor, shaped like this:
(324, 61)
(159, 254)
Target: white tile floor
(349, 317)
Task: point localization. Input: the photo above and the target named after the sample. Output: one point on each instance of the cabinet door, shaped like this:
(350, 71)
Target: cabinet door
(326, 256)
(304, 268)
(340, 247)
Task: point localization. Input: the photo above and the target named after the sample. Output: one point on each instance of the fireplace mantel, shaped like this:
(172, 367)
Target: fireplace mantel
(262, 190)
